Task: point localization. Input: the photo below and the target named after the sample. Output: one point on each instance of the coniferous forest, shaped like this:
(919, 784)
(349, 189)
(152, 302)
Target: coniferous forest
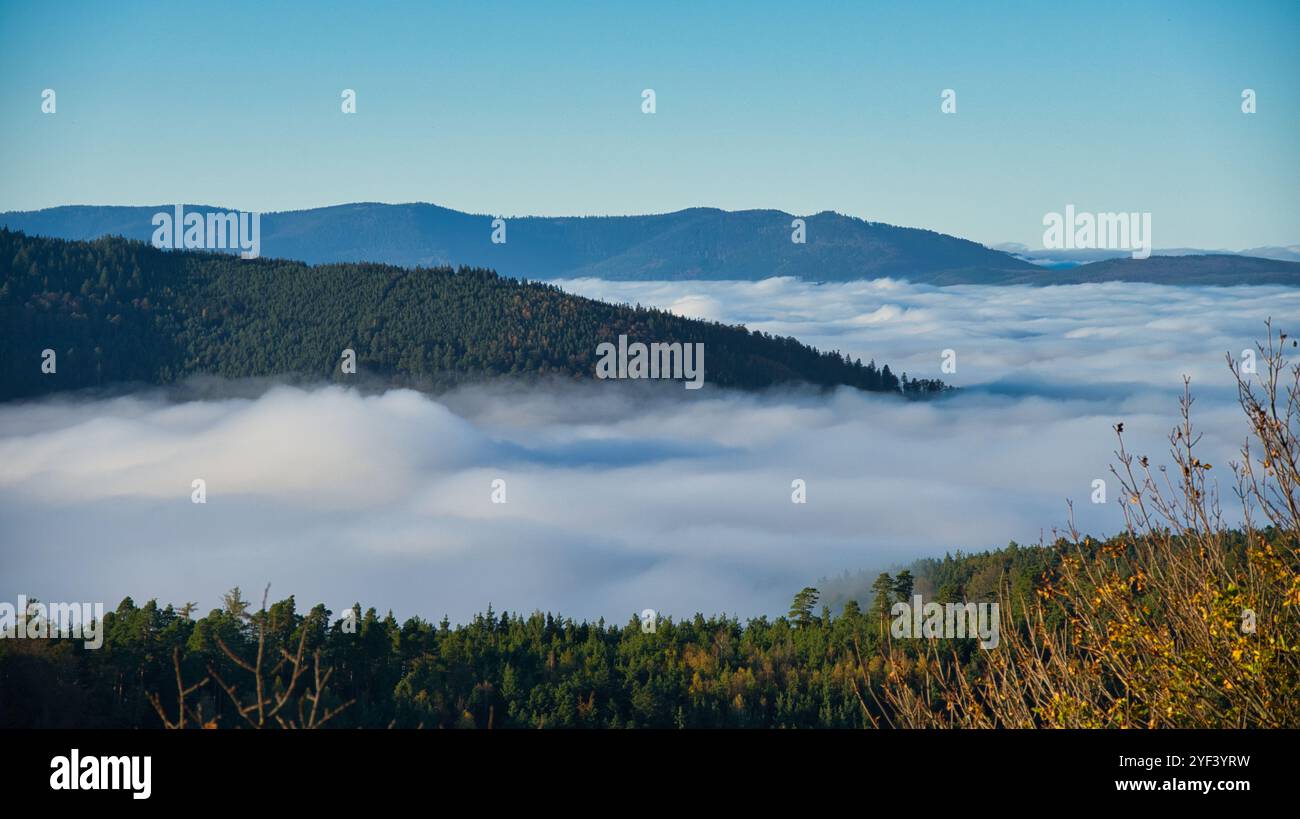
(810, 668)
(115, 310)
(500, 670)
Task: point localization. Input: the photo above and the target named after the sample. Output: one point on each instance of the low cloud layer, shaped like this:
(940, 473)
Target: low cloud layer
(624, 496)
(1098, 340)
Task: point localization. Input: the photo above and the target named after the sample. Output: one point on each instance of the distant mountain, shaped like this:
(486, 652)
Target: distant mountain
(115, 310)
(1069, 258)
(698, 243)
(1290, 253)
(1207, 269)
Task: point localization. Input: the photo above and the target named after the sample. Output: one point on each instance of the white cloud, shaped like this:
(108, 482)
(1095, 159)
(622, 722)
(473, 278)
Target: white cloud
(627, 496)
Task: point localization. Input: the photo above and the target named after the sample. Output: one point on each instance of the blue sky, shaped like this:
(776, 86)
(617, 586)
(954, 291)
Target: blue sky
(529, 108)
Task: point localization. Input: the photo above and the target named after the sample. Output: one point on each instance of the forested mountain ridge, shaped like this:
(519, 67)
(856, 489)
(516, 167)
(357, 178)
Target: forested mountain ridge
(696, 243)
(1198, 269)
(118, 310)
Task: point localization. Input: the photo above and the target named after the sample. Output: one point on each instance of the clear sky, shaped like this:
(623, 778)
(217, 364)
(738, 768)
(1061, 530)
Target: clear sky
(535, 108)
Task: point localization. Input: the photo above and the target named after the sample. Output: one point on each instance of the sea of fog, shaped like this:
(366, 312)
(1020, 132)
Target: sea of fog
(625, 496)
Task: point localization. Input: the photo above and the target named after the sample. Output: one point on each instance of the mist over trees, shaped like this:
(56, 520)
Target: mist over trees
(1178, 621)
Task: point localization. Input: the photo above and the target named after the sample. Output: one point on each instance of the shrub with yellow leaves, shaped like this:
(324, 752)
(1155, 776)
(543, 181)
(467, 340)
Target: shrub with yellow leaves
(1170, 625)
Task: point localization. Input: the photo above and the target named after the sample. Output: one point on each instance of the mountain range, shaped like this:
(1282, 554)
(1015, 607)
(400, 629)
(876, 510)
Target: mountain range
(697, 243)
(1070, 258)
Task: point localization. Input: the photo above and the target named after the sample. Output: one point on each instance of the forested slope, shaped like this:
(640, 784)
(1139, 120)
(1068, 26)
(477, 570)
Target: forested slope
(119, 310)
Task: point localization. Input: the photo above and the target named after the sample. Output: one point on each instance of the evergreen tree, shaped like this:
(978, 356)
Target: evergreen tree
(801, 610)
(903, 586)
(882, 597)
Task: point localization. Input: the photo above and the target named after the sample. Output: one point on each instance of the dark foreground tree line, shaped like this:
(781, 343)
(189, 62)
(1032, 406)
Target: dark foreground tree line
(809, 669)
(498, 670)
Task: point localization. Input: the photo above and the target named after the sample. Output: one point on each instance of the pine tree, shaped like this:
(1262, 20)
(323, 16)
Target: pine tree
(801, 609)
(903, 585)
(883, 597)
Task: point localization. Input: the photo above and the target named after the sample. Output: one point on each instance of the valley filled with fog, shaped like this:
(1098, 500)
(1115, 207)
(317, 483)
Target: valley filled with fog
(622, 496)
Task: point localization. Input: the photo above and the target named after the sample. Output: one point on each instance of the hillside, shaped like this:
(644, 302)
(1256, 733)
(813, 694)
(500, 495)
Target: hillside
(697, 243)
(1205, 269)
(118, 310)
